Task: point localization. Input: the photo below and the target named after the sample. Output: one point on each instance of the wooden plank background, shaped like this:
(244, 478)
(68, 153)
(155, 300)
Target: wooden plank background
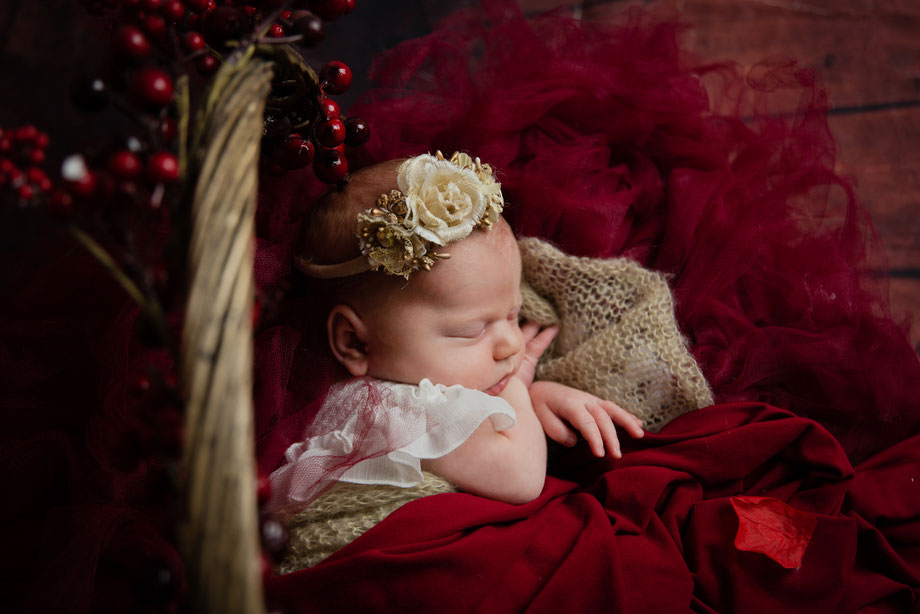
(868, 54)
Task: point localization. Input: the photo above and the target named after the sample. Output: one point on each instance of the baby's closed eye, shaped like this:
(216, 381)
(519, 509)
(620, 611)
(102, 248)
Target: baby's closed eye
(470, 331)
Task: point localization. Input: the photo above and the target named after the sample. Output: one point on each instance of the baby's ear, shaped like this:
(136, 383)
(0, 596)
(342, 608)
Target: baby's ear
(347, 338)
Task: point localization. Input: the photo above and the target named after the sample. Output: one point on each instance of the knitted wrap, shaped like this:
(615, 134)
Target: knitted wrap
(344, 513)
(618, 337)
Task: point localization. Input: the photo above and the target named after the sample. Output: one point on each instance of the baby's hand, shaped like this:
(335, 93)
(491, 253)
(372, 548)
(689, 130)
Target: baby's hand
(555, 404)
(535, 343)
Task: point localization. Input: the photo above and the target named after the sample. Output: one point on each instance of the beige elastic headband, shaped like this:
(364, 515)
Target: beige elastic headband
(438, 201)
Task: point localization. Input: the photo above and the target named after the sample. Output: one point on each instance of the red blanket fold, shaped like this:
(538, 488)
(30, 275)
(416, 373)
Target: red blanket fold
(653, 532)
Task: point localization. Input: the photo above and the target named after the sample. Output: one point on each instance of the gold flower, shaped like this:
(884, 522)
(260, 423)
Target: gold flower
(446, 199)
(439, 201)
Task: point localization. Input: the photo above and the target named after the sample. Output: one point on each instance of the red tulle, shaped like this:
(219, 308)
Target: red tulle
(606, 143)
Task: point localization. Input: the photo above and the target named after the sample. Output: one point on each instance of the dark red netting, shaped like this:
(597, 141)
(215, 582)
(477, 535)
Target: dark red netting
(609, 141)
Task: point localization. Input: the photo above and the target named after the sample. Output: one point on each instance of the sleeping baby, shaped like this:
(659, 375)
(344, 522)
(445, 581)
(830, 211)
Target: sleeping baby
(423, 282)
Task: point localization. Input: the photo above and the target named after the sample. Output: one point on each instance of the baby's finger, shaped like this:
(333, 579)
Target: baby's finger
(586, 424)
(607, 430)
(538, 345)
(624, 419)
(529, 330)
(553, 426)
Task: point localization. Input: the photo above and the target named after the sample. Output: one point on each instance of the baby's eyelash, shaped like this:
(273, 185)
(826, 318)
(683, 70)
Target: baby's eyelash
(468, 334)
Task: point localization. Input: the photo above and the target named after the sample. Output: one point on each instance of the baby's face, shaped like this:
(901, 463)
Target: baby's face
(455, 324)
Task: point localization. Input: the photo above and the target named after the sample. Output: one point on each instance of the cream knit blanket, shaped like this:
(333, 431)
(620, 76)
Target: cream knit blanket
(344, 513)
(618, 339)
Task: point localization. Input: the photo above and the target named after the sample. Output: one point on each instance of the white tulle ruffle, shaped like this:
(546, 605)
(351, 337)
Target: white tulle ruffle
(378, 432)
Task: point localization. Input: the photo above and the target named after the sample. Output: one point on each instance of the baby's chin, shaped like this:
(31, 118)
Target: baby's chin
(491, 388)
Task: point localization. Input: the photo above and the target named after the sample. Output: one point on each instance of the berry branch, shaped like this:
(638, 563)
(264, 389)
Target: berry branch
(128, 205)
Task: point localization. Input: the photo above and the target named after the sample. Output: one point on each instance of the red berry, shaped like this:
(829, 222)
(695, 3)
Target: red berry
(26, 192)
(274, 536)
(151, 5)
(160, 278)
(124, 165)
(26, 133)
(80, 180)
(84, 187)
(276, 31)
(41, 140)
(141, 386)
(131, 42)
(263, 489)
(357, 132)
(163, 167)
(60, 202)
(14, 175)
(192, 42)
(155, 26)
(169, 129)
(285, 14)
(210, 6)
(207, 65)
(196, 5)
(331, 133)
(37, 156)
(250, 10)
(6, 166)
(152, 87)
(173, 10)
(309, 26)
(331, 9)
(337, 76)
(45, 185)
(293, 153)
(329, 109)
(330, 165)
(35, 175)
(273, 169)
(223, 24)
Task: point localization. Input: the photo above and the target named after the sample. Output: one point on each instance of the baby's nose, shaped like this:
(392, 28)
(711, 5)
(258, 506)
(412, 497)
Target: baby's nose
(508, 342)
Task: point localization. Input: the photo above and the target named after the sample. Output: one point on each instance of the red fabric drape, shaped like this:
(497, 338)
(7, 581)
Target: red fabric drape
(652, 532)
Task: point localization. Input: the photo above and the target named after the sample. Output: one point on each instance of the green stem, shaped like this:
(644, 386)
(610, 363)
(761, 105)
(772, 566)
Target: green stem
(151, 309)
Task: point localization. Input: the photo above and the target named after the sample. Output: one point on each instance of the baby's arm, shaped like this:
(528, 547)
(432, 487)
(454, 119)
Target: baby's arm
(507, 465)
(555, 404)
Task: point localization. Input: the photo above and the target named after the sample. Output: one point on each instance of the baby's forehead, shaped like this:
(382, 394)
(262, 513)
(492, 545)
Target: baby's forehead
(482, 267)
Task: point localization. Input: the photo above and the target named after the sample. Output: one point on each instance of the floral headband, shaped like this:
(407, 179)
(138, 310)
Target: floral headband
(438, 201)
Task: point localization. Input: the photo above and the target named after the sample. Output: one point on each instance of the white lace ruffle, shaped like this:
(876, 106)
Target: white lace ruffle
(433, 419)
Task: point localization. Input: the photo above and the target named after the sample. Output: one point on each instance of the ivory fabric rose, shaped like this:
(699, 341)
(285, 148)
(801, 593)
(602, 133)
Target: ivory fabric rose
(445, 201)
